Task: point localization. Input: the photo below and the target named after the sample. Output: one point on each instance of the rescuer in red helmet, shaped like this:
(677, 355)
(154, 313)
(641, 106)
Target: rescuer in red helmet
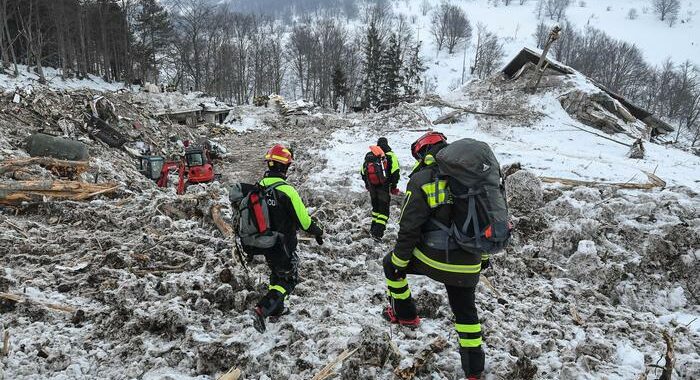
(428, 200)
(271, 213)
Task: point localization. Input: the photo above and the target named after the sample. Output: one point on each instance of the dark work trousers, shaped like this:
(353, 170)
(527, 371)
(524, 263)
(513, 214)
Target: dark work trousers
(283, 278)
(381, 199)
(463, 305)
(462, 302)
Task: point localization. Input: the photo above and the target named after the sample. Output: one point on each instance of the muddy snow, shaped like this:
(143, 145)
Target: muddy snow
(142, 285)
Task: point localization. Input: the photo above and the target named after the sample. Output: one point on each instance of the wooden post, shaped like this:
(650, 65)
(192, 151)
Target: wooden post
(541, 65)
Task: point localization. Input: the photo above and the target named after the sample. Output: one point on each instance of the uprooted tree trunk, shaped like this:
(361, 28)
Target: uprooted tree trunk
(62, 168)
(14, 192)
(654, 182)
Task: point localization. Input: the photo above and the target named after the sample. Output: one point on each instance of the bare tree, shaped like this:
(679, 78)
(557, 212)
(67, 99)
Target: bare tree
(632, 14)
(667, 10)
(33, 35)
(425, 7)
(489, 52)
(458, 28)
(438, 26)
(554, 9)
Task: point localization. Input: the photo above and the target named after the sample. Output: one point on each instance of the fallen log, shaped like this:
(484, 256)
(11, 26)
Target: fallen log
(53, 164)
(421, 359)
(16, 298)
(654, 182)
(439, 102)
(14, 192)
(327, 371)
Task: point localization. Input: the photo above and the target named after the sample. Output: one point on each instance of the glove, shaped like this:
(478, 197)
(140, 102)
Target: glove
(391, 271)
(395, 191)
(316, 230)
(485, 264)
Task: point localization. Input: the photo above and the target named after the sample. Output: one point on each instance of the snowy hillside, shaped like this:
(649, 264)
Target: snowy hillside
(516, 25)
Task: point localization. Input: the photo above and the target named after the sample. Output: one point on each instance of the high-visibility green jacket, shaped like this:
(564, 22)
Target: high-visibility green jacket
(425, 199)
(287, 211)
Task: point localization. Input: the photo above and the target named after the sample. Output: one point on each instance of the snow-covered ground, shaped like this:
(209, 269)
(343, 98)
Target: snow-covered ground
(53, 78)
(593, 277)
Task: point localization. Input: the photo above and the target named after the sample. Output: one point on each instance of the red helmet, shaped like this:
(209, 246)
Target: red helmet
(279, 153)
(430, 138)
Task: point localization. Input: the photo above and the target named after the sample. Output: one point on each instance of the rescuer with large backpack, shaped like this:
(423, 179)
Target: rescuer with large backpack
(454, 216)
(380, 173)
(271, 212)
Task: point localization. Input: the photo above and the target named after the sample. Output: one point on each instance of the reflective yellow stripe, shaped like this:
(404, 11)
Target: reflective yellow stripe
(431, 193)
(485, 256)
(278, 288)
(398, 261)
(380, 216)
(397, 284)
(475, 268)
(405, 202)
(380, 221)
(468, 328)
(394, 162)
(429, 160)
(470, 342)
(276, 157)
(401, 296)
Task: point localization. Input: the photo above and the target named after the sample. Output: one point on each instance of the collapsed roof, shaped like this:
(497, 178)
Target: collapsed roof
(528, 58)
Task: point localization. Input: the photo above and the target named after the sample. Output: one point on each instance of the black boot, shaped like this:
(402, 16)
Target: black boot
(472, 361)
(259, 319)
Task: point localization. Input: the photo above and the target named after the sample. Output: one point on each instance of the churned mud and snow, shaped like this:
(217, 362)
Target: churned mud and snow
(593, 278)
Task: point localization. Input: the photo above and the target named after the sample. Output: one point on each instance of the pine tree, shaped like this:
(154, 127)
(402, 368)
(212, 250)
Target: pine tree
(391, 78)
(372, 75)
(413, 71)
(154, 32)
(340, 85)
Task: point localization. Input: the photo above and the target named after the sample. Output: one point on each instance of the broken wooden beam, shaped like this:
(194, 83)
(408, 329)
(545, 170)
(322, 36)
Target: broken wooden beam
(654, 182)
(6, 343)
(13, 192)
(232, 374)
(327, 371)
(16, 298)
(53, 164)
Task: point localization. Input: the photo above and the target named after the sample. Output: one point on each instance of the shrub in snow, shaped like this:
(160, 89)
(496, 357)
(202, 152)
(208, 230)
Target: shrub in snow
(632, 14)
(524, 191)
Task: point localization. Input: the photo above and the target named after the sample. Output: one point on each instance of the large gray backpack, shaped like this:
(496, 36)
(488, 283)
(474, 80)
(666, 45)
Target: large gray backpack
(480, 220)
(254, 227)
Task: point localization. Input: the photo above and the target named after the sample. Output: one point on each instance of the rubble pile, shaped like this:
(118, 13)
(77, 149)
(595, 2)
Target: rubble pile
(141, 283)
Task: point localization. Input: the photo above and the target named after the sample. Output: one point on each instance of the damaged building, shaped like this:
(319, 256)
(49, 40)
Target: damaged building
(598, 107)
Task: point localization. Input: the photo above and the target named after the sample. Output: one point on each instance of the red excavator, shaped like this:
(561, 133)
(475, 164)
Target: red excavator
(196, 167)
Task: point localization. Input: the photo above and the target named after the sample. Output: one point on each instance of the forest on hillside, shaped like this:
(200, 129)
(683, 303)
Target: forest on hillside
(340, 54)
